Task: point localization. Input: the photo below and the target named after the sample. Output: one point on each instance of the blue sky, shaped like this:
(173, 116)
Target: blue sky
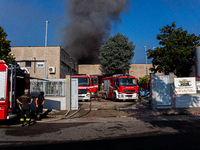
(24, 21)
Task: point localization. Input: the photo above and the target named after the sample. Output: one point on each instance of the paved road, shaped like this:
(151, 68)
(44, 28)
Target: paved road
(140, 131)
(124, 133)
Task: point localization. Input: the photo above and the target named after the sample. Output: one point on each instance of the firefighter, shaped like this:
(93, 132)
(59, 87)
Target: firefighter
(25, 100)
(39, 101)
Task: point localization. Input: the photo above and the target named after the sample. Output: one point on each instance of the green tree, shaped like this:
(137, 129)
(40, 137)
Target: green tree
(177, 51)
(116, 54)
(142, 80)
(5, 51)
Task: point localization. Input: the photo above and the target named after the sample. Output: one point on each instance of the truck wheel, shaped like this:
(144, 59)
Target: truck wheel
(114, 97)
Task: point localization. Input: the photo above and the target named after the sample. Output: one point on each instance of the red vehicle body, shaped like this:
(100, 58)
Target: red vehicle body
(83, 86)
(120, 87)
(13, 81)
(95, 81)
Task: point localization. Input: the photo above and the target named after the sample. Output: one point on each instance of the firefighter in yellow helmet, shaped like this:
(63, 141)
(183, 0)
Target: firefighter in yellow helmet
(25, 100)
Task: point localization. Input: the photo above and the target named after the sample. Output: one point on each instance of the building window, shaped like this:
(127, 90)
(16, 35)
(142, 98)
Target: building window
(40, 64)
(27, 63)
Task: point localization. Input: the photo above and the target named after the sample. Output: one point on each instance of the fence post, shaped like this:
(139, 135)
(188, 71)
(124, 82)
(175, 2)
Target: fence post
(172, 88)
(44, 84)
(68, 92)
(153, 90)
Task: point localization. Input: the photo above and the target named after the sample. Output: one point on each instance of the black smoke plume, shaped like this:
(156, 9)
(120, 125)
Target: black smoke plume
(89, 26)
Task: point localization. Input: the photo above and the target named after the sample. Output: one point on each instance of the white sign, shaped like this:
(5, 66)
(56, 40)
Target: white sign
(185, 85)
(198, 85)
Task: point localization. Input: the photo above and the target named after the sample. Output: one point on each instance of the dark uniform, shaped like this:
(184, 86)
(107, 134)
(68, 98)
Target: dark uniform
(25, 100)
(39, 104)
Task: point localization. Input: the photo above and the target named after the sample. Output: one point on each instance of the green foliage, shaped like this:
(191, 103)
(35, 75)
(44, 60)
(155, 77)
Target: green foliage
(142, 80)
(177, 51)
(116, 54)
(5, 51)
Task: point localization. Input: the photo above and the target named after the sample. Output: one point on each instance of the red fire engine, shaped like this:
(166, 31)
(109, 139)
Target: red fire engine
(95, 81)
(83, 86)
(120, 87)
(13, 81)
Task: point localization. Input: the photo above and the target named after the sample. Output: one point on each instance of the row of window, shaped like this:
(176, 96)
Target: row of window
(28, 64)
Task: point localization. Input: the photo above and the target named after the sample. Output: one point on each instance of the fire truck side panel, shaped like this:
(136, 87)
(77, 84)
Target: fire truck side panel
(108, 88)
(3, 90)
(106, 85)
(110, 94)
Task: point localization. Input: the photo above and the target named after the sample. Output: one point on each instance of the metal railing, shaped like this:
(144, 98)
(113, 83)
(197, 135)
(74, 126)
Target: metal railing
(52, 87)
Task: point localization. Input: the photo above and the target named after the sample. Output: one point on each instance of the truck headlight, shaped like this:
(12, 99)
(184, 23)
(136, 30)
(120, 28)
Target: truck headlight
(88, 95)
(92, 93)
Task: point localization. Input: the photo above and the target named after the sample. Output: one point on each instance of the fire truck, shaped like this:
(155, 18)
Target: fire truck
(95, 82)
(83, 86)
(120, 87)
(13, 81)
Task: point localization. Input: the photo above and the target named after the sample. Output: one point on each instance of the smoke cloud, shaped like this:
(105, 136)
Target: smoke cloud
(89, 26)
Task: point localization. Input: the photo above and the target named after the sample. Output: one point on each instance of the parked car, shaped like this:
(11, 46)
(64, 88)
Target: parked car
(144, 92)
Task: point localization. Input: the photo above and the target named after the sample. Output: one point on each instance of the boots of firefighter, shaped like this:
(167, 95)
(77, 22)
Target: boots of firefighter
(28, 121)
(22, 122)
(41, 115)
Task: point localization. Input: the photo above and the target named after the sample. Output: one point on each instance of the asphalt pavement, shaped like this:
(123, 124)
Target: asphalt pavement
(107, 110)
(108, 125)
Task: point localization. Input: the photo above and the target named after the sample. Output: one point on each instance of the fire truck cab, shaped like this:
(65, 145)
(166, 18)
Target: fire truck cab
(94, 81)
(13, 81)
(120, 87)
(83, 86)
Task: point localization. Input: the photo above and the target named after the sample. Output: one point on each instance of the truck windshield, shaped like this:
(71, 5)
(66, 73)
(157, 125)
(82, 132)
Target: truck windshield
(83, 81)
(128, 82)
(94, 80)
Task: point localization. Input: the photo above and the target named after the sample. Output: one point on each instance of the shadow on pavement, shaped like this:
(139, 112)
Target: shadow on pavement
(147, 141)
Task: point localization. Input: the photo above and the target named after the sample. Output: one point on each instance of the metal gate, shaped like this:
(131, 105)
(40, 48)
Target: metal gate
(74, 94)
(163, 90)
(52, 87)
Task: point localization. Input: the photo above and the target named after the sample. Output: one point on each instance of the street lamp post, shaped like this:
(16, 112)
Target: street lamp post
(45, 50)
(146, 66)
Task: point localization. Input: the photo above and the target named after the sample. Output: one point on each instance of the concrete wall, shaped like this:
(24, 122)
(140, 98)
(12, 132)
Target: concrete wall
(185, 101)
(89, 69)
(52, 103)
(137, 70)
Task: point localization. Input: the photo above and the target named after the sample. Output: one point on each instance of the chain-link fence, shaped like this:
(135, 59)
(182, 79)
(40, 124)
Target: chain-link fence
(52, 87)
